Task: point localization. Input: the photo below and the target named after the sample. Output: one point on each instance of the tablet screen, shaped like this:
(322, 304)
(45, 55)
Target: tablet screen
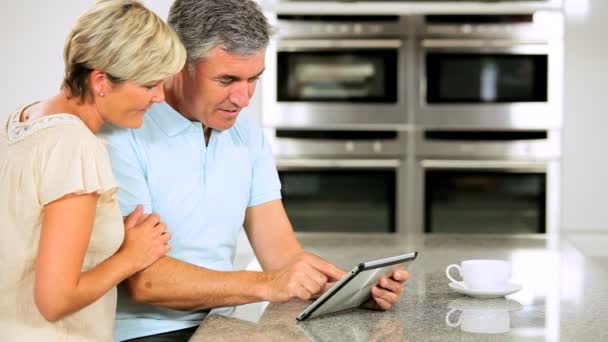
(355, 287)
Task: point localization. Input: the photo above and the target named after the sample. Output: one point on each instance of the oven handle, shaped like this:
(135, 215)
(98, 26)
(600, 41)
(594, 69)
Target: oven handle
(304, 164)
(511, 165)
(337, 44)
(482, 43)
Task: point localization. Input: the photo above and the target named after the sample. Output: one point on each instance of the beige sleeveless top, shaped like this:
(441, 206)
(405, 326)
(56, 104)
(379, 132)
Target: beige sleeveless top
(41, 161)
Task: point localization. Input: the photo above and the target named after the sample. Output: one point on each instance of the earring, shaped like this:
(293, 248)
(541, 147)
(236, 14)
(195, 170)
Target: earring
(101, 94)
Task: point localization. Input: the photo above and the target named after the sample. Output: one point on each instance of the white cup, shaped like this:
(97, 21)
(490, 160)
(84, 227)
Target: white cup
(481, 321)
(487, 275)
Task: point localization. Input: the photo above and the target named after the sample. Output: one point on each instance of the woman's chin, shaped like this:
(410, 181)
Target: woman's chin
(136, 123)
(133, 123)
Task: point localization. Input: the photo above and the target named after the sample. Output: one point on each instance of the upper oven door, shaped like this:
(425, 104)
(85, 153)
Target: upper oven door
(481, 83)
(327, 83)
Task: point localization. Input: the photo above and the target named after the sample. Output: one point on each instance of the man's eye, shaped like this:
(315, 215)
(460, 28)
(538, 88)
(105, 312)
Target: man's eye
(225, 81)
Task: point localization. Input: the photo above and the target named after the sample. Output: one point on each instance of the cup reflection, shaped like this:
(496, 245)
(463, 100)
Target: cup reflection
(488, 316)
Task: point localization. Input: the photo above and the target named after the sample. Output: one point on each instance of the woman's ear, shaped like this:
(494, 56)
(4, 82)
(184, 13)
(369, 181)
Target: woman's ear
(99, 83)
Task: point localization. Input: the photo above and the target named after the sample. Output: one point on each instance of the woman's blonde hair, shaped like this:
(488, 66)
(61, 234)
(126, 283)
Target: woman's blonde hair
(123, 39)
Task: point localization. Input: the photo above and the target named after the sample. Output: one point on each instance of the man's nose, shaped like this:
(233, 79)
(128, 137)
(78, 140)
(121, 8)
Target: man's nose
(240, 94)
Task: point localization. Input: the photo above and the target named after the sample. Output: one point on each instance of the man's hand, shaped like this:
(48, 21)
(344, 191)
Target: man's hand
(387, 292)
(304, 278)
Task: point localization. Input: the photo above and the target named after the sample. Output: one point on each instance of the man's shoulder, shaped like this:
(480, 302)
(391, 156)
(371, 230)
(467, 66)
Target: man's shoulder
(112, 133)
(149, 130)
(246, 120)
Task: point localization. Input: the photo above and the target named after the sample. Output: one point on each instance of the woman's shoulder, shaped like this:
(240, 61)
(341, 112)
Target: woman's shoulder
(60, 137)
(64, 126)
(67, 126)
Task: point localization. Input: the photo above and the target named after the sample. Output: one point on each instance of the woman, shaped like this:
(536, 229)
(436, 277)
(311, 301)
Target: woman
(62, 246)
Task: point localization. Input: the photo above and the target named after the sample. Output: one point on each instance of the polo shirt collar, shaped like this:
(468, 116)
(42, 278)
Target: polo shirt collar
(170, 121)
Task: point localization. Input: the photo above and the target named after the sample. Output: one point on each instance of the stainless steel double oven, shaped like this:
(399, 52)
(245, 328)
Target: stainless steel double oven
(435, 123)
(336, 113)
(488, 117)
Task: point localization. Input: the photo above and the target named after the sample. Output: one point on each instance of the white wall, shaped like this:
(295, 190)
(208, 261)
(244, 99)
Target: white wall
(32, 34)
(585, 150)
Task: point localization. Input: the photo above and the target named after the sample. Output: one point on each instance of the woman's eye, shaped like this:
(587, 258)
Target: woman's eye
(151, 86)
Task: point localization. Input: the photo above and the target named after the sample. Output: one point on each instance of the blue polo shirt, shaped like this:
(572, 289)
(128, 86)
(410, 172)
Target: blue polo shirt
(200, 192)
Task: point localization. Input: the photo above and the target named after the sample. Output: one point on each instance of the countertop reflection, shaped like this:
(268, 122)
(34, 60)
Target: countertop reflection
(564, 295)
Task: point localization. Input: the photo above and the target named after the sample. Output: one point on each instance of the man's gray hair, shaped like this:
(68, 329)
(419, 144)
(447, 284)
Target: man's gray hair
(239, 26)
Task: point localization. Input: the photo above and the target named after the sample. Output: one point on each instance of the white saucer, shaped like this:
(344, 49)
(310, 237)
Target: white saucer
(495, 304)
(511, 288)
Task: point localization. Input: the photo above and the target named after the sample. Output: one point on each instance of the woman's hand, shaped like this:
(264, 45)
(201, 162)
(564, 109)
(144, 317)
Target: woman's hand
(146, 239)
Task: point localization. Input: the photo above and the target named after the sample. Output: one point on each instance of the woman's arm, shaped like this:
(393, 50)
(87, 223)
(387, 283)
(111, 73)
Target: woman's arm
(61, 287)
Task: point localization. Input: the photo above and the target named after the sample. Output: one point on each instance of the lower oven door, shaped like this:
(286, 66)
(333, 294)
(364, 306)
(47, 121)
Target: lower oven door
(337, 195)
(471, 196)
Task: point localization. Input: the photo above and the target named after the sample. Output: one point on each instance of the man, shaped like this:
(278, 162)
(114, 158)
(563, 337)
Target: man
(207, 171)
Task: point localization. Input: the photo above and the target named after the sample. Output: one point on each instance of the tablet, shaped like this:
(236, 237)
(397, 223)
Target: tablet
(355, 287)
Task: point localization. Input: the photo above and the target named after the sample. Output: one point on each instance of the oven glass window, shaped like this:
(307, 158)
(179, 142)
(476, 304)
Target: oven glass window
(340, 200)
(338, 76)
(485, 78)
(484, 202)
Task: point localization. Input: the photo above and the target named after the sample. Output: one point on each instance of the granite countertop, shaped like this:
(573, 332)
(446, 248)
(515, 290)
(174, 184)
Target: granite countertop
(564, 295)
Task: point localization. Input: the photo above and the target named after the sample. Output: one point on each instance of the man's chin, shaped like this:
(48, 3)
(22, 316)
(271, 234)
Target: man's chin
(228, 122)
(226, 126)
(223, 125)
(229, 115)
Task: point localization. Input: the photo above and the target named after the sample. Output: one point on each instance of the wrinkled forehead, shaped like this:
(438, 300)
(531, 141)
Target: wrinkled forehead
(220, 62)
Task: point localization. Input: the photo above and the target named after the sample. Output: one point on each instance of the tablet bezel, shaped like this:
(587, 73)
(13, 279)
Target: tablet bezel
(364, 266)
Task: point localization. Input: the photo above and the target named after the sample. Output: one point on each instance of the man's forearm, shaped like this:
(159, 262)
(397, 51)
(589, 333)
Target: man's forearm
(180, 285)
